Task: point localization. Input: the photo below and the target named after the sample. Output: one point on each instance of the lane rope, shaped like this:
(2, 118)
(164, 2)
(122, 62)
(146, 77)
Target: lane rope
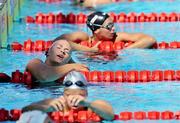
(105, 46)
(71, 18)
(82, 116)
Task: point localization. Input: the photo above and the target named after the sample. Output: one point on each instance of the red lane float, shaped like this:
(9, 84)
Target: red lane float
(83, 116)
(132, 76)
(18, 77)
(4, 77)
(105, 46)
(80, 18)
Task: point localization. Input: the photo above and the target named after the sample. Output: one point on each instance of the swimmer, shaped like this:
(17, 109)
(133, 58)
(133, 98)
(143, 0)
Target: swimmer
(57, 64)
(94, 3)
(74, 98)
(102, 27)
(91, 3)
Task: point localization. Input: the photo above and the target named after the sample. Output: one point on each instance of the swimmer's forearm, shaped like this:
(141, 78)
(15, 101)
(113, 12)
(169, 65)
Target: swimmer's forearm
(102, 108)
(79, 47)
(144, 42)
(35, 107)
(43, 105)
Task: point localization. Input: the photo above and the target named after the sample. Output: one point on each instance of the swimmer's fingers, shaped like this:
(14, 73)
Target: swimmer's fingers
(84, 67)
(63, 102)
(69, 100)
(95, 48)
(74, 100)
(81, 67)
(97, 44)
(80, 101)
(57, 105)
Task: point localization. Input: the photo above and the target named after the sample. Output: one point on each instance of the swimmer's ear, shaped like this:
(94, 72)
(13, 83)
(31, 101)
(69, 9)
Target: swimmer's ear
(96, 31)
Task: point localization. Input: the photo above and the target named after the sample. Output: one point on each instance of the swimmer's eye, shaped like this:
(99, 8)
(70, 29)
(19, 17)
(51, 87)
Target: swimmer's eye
(66, 53)
(109, 26)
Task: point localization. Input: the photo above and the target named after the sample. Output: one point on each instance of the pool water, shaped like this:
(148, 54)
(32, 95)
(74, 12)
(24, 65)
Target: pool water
(159, 96)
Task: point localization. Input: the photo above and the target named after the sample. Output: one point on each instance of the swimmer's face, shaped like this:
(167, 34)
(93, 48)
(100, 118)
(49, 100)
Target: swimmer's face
(60, 52)
(81, 92)
(75, 92)
(107, 30)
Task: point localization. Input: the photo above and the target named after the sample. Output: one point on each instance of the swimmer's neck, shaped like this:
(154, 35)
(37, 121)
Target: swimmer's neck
(96, 39)
(49, 63)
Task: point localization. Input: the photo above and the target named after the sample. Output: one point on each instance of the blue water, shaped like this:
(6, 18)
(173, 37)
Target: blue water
(124, 96)
(139, 6)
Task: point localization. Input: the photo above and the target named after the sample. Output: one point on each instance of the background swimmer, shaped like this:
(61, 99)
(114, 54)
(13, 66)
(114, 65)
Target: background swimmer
(102, 27)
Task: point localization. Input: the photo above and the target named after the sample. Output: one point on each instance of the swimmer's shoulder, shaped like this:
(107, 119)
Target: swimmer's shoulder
(32, 62)
(79, 35)
(36, 60)
(121, 36)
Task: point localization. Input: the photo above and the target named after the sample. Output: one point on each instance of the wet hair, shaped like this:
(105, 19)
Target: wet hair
(61, 37)
(96, 19)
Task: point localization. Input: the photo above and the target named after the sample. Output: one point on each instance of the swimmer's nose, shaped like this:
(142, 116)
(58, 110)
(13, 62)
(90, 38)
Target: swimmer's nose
(63, 53)
(113, 30)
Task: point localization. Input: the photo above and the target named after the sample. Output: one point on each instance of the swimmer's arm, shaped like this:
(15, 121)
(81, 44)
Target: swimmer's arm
(41, 105)
(45, 73)
(140, 40)
(79, 47)
(102, 108)
(82, 36)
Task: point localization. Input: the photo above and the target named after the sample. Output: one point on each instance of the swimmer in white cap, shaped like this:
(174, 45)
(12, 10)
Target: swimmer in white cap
(74, 97)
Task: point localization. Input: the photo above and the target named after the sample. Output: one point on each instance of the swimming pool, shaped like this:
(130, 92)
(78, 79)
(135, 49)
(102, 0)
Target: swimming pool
(125, 96)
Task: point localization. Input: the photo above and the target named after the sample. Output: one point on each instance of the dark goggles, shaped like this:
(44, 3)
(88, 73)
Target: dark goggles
(78, 83)
(109, 26)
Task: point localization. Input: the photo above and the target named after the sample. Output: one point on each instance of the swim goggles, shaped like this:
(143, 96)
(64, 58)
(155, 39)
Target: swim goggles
(78, 83)
(109, 26)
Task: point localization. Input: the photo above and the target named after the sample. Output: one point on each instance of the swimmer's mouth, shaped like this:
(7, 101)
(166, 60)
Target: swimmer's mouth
(60, 56)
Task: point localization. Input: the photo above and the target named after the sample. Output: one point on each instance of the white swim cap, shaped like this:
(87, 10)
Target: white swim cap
(34, 116)
(75, 80)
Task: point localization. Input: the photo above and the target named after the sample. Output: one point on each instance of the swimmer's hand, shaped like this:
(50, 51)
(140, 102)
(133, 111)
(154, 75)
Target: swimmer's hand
(79, 67)
(59, 104)
(95, 47)
(77, 101)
